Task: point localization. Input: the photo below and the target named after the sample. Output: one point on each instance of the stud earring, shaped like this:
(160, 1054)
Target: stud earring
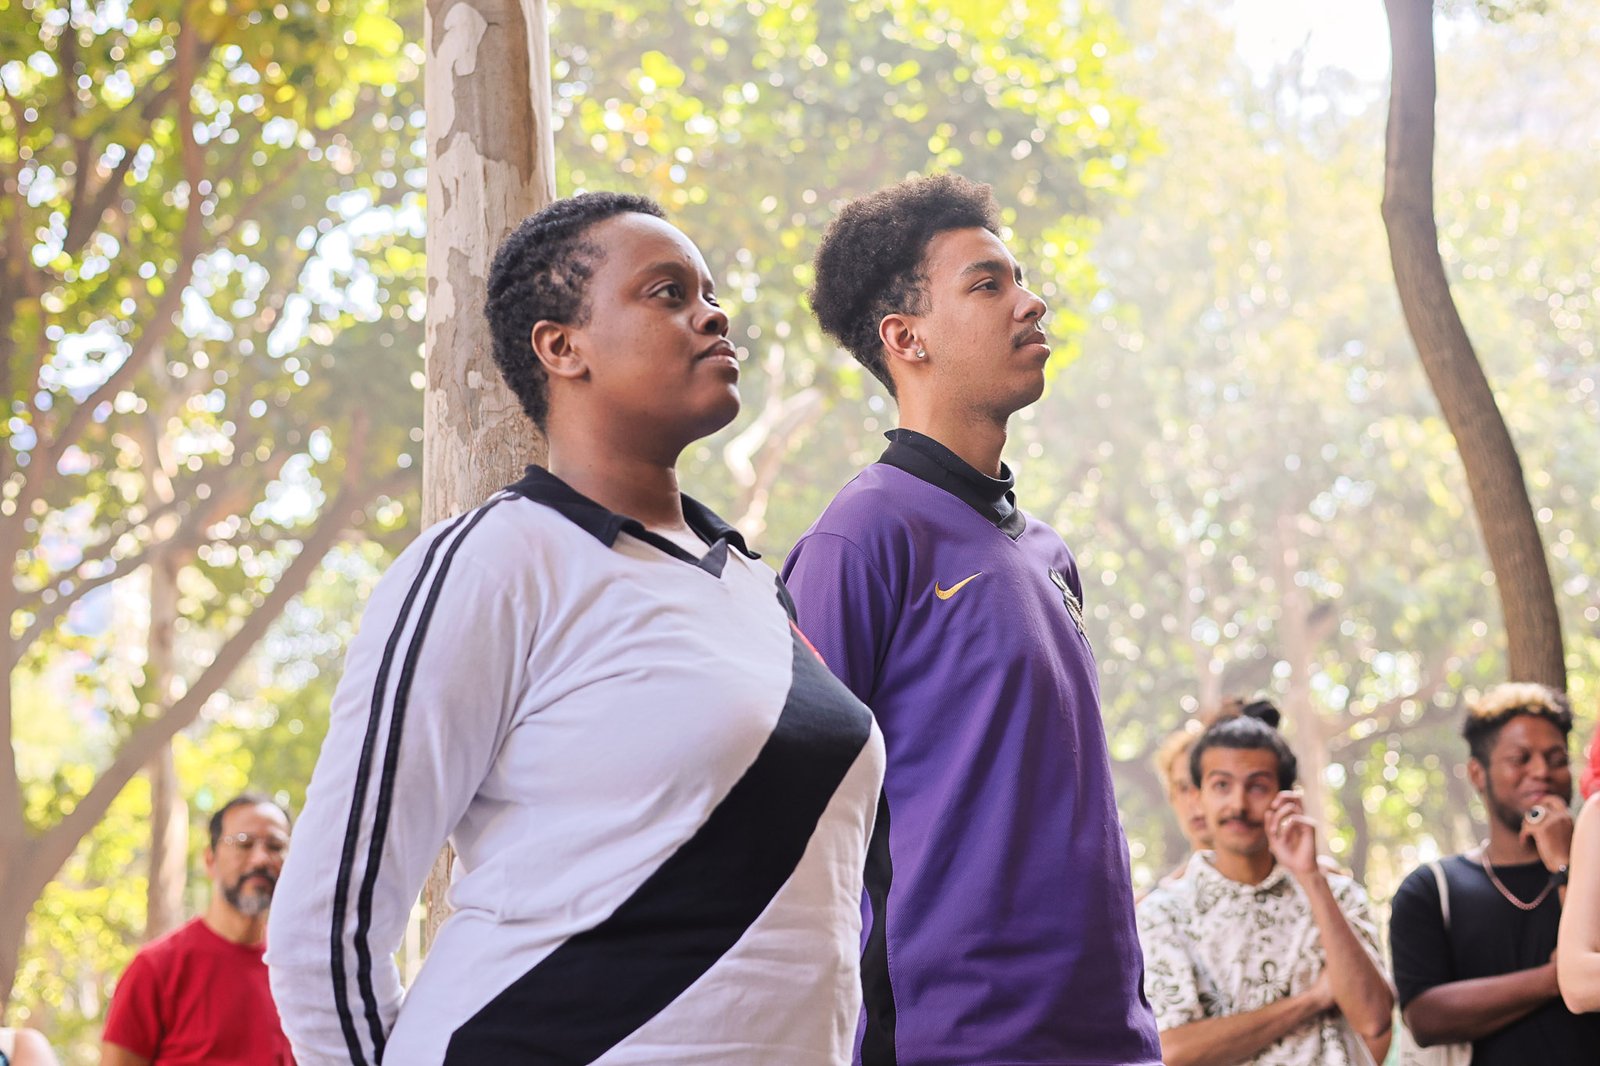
(921, 354)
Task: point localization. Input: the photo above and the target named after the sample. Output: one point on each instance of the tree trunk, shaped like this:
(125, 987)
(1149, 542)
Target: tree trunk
(491, 163)
(1299, 633)
(169, 814)
(1494, 473)
(169, 847)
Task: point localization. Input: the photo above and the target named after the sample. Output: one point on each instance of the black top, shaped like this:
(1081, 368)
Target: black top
(921, 456)
(1488, 937)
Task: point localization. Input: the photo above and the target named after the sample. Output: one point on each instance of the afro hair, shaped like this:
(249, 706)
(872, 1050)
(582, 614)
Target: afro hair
(542, 271)
(869, 263)
(1489, 713)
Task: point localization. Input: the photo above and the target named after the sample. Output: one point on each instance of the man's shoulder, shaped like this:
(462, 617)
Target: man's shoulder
(1170, 903)
(168, 949)
(863, 497)
(1424, 881)
(871, 508)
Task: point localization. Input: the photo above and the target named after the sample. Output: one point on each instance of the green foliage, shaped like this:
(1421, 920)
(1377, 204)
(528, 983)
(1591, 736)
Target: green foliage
(1249, 418)
(752, 121)
(211, 301)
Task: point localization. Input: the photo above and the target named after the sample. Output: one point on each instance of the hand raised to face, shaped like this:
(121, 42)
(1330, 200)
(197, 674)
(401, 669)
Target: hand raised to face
(1548, 826)
(1291, 835)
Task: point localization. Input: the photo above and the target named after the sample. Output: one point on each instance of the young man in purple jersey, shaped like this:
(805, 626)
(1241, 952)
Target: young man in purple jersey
(1001, 927)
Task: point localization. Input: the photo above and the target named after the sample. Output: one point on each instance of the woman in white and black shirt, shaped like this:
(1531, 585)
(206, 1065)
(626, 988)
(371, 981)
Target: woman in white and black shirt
(659, 797)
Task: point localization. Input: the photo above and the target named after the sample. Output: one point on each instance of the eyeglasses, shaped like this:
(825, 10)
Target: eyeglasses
(275, 846)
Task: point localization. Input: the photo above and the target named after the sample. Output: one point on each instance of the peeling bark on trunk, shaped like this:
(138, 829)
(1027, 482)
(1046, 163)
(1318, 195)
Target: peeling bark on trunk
(1494, 473)
(491, 163)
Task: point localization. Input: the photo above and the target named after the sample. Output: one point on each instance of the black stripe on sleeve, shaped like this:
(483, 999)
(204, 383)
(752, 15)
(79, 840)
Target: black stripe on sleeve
(603, 984)
(352, 832)
(385, 801)
(877, 995)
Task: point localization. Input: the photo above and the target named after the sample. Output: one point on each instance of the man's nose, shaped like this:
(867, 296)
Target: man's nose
(1032, 307)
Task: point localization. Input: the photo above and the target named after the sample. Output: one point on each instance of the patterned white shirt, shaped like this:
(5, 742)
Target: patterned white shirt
(1214, 947)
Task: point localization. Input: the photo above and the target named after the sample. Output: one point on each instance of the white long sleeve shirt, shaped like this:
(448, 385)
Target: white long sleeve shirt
(659, 797)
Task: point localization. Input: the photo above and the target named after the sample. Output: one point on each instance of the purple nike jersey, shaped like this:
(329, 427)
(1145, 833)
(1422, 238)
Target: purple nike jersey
(999, 912)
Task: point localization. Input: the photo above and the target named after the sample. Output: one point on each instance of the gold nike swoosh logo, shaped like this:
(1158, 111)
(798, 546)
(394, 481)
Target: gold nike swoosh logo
(945, 594)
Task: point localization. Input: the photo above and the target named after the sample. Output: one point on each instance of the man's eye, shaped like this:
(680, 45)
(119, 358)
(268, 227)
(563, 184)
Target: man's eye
(671, 290)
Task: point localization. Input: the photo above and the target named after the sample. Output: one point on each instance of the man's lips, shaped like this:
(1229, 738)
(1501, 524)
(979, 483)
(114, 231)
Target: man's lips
(1030, 336)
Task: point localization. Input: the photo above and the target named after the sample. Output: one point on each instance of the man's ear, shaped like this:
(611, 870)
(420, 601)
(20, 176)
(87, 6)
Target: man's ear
(553, 347)
(1477, 774)
(900, 342)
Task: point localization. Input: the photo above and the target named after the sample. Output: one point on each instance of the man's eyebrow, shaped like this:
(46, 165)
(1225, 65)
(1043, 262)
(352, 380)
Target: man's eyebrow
(992, 266)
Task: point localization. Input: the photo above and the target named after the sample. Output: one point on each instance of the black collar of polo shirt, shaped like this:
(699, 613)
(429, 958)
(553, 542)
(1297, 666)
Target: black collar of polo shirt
(921, 456)
(543, 487)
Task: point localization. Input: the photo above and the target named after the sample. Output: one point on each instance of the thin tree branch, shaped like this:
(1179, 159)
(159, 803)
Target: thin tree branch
(56, 844)
(189, 534)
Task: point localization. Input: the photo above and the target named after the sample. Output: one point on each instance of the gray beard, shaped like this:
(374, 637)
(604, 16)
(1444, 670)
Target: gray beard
(253, 905)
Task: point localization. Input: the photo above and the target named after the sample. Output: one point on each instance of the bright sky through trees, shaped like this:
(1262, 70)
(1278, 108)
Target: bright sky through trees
(1350, 34)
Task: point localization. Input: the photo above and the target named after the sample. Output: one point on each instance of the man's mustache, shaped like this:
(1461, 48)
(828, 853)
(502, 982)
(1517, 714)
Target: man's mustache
(260, 871)
(1240, 819)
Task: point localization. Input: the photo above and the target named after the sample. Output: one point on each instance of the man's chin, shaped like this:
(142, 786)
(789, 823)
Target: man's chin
(250, 904)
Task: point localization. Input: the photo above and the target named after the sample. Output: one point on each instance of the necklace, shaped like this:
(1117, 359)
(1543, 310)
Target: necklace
(1483, 859)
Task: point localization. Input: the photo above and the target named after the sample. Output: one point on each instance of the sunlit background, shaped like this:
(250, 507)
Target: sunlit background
(1237, 440)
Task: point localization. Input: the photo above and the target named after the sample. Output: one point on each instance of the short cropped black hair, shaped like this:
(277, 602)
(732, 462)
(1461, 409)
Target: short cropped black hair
(1488, 714)
(243, 799)
(1255, 729)
(542, 271)
(869, 263)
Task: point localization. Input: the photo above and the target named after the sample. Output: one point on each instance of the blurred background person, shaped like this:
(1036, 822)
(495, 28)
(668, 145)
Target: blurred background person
(1257, 953)
(199, 995)
(1578, 943)
(1486, 975)
(25, 1047)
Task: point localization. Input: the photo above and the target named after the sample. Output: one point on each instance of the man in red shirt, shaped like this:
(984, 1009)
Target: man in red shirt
(199, 994)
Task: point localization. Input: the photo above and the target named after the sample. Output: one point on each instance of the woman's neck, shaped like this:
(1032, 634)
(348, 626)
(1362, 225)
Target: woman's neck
(642, 488)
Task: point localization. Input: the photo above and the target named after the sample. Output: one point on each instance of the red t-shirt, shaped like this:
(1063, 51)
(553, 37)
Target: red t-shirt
(192, 998)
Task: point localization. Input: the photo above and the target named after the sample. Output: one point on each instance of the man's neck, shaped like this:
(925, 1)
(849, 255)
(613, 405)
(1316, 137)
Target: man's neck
(644, 489)
(1245, 869)
(978, 441)
(1507, 848)
(222, 919)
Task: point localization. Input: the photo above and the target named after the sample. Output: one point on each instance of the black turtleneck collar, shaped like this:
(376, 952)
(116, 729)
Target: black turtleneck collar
(921, 456)
(543, 487)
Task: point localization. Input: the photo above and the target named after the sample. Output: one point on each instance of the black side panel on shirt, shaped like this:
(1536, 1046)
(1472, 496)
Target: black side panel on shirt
(877, 995)
(605, 983)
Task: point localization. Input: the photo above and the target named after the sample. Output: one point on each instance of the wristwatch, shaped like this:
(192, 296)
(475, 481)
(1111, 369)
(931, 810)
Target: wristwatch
(1558, 876)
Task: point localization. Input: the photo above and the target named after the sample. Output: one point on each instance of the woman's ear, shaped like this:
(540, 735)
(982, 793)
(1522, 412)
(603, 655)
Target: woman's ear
(553, 347)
